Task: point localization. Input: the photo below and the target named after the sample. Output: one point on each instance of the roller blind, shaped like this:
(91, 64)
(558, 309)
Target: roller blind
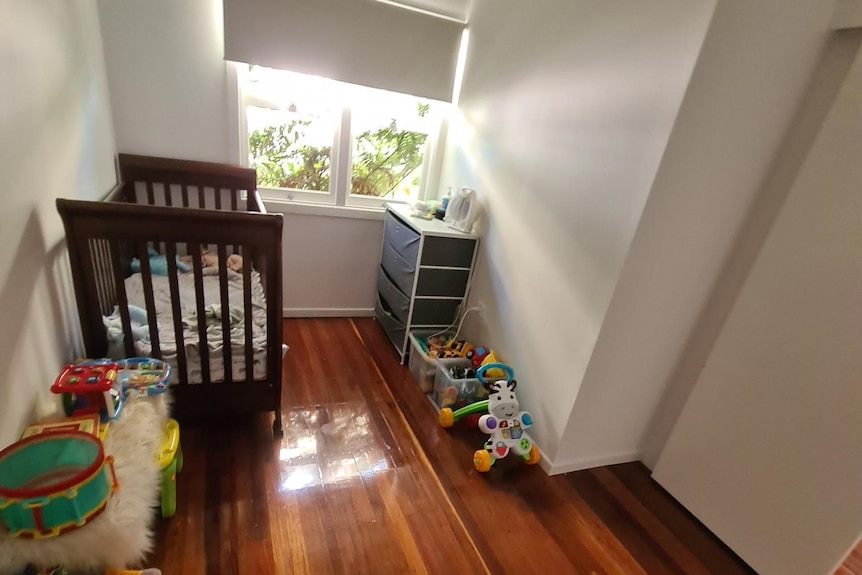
(358, 41)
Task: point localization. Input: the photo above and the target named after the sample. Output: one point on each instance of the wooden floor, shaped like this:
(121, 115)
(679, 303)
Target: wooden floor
(365, 481)
(852, 565)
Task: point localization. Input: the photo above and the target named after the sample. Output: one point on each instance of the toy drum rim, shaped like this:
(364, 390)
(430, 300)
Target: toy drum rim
(78, 477)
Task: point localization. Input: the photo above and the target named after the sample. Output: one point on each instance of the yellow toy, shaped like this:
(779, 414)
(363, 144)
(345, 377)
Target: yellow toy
(170, 459)
(461, 347)
(492, 372)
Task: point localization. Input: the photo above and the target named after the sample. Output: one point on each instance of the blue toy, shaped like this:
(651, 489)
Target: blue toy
(137, 321)
(142, 376)
(505, 422)
(158, 264)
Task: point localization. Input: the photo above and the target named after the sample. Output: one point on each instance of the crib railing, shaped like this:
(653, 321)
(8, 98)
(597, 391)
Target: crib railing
(103, 237)
(180, 207)
(187, 184)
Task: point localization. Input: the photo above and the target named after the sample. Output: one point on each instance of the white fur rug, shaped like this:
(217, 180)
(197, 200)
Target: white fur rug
(121, 536)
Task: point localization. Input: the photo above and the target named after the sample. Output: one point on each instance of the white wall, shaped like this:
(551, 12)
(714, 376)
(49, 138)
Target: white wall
(57, 141)
(167, 77)
(566, 110)
(740, 112)
(768, 449)
(168, 86)
(331, 265)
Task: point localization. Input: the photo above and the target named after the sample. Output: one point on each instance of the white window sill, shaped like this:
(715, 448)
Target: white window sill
(310, 209)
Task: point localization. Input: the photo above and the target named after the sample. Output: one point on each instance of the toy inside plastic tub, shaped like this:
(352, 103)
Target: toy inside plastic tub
(455, 384)
(53, 483)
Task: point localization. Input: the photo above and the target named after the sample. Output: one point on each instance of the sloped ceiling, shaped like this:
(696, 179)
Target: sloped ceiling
(458, 9)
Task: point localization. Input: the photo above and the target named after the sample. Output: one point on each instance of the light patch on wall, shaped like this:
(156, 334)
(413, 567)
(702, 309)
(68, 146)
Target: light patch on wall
(459, 67)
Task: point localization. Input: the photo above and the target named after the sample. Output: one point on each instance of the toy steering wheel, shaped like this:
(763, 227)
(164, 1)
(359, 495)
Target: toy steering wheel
(480, 373)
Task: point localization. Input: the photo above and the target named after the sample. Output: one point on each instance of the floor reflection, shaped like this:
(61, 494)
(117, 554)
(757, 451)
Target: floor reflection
(326, 444)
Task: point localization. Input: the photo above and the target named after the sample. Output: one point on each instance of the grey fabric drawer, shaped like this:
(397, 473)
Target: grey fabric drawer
(394, 329)
(451, 252)
(434, 311)
(399, 270)
(403, 238)
(397, 301)
(442, 283)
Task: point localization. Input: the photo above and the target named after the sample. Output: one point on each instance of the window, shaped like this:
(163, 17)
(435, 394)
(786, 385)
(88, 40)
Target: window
(316, 140)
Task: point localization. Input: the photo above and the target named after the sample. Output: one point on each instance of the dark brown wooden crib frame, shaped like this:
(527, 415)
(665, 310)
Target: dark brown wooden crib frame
(164, 203)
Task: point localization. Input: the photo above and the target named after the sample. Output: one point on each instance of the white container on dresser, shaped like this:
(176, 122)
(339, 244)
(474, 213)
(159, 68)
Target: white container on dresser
(425, 268)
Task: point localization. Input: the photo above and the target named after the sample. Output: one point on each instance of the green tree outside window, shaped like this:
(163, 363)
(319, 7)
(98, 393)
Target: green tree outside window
(383, 158)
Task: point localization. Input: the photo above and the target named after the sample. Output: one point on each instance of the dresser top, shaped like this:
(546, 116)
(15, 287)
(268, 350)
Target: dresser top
(433, 227)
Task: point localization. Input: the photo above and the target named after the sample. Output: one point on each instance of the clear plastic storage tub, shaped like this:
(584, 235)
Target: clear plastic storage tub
(421, 365)
(455, 393)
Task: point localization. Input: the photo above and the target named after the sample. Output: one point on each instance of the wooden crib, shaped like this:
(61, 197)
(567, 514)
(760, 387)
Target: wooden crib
(129, 252)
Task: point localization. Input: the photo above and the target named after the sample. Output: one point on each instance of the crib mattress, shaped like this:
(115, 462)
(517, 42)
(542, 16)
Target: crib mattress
(214, 333)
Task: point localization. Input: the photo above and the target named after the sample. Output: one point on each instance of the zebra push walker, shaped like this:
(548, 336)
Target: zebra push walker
(505, 422)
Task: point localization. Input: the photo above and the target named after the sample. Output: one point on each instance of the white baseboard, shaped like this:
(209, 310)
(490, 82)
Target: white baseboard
(589, 462)
(327, 312)
(551, 468)
(546, 464)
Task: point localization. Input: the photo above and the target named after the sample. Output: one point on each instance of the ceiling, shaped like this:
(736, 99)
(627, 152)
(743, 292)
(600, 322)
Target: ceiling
(458, 9)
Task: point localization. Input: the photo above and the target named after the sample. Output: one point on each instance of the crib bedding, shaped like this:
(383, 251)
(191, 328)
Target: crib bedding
(213, 312)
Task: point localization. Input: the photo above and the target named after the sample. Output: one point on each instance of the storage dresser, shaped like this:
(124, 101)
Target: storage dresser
(425, 269)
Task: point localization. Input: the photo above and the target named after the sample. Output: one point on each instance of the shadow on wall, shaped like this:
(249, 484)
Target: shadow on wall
(37, 310)
(823, 89)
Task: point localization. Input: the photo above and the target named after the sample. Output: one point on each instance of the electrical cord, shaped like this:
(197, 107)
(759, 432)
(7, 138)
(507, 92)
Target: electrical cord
(460, 323)
(464, 315)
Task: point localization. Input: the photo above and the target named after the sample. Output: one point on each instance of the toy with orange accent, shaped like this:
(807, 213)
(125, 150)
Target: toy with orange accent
(87, 423)
(447, 418)
(91, 387)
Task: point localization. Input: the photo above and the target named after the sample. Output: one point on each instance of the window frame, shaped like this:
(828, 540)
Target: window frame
(338, 195)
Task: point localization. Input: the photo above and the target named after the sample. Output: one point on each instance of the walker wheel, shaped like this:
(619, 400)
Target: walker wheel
(534, 456)
(482, 460)
(446, 417)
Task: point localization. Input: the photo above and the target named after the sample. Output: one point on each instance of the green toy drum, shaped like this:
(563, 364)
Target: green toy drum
(53, 483)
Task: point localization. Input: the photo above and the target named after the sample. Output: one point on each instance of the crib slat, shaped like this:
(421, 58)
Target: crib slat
(273, 320)
(227, 352)
(122, 300)
(202, 203)
(217, 193)
(247, 312)
(168, 200)
(185, 194)
(152, 320)
(202, 323)
(80, 254)
(101, 270)
(233, 199)
(173, 282)
(151, 198)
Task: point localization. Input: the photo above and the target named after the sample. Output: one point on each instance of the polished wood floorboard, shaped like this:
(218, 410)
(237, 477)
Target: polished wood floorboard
(852, 565)
(365, 481)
